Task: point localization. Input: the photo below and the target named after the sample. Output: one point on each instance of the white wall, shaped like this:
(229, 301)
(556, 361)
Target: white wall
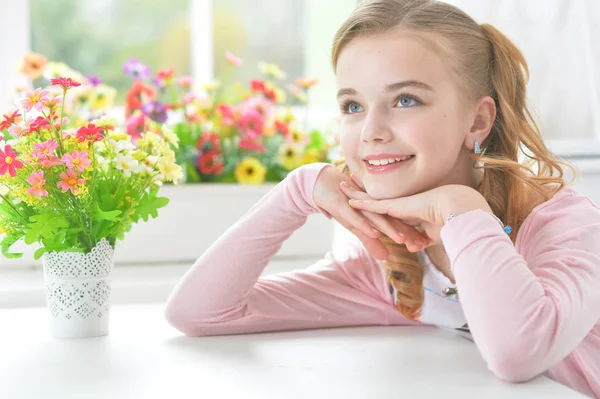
(15, 37)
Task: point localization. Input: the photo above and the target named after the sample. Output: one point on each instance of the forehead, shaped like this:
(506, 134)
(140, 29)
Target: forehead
(372, 62)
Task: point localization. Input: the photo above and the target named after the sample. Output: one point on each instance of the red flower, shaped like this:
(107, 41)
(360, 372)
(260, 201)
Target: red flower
(90, 132)
(251, 143)
(9, 120)
(40, 123)
(66, 83)
(165, 74)
(257, 85)
(138, 95)
(282, 128)
(208, 142)
(270, 94)
(210, 163)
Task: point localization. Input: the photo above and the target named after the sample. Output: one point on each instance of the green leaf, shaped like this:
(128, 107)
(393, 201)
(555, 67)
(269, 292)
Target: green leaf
(6, 243)
(148, 205)
(316, 140)
(103, 215)
(44, 225)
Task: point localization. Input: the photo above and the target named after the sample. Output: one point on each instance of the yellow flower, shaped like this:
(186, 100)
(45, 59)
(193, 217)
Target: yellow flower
(297, 137)
(169, 169)
(211, 86)
(170, 137)
(311, 156)
(272, 70)
(290, 157)
(280, 96)
(102, 97)
(117, 134)
(250, 171)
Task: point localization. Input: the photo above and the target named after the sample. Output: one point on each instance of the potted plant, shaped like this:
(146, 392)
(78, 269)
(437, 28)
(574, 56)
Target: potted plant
(75, 189)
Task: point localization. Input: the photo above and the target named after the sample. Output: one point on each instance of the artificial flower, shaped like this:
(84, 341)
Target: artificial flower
(250, 171)
(70, 181)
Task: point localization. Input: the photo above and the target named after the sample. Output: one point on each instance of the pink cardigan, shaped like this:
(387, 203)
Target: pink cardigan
(531, 307)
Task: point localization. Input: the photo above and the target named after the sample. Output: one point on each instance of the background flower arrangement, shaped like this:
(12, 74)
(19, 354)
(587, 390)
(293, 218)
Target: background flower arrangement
(66, 184)
(227, 131)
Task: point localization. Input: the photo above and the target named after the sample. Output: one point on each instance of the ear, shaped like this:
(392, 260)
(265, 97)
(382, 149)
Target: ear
(483, 120)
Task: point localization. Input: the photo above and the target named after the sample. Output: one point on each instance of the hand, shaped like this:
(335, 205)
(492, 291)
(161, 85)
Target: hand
(366, 225)
(427, 211)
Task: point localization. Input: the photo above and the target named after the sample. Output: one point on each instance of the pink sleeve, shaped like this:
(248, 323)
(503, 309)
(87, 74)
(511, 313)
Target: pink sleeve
(528, 308)
(223, 294)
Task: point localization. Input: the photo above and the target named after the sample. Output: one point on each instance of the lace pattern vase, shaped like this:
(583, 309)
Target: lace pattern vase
(78, 291)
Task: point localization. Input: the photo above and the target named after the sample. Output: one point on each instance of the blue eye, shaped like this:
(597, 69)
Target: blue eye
(406, 101)
(352, 108)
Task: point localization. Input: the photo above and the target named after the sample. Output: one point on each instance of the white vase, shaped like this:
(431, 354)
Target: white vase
(78, 291)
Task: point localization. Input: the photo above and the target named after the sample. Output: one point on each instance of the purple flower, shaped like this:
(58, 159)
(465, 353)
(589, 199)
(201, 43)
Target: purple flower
(136, 69)
(155, 111)
(94, 80)
(159, 83)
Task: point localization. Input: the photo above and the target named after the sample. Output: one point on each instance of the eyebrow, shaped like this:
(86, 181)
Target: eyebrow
(390, 88)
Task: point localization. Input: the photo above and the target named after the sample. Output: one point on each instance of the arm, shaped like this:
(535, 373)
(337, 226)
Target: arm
(222, 292)
(527, 313)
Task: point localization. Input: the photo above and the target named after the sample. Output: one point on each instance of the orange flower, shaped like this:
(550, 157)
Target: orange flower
(70, 181)
(138, 95)
(33, 65)
(306, 83)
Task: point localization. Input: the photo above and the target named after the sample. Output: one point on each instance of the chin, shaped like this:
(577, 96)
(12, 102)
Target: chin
(381, 192)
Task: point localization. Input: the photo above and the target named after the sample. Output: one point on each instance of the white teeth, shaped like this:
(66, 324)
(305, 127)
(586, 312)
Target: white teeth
(378, 162)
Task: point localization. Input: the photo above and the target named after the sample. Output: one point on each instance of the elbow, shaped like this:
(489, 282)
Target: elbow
(514, 364)
(183, 323)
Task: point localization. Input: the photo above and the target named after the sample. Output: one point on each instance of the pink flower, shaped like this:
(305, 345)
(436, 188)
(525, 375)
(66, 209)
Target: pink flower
(45, 149)
(9, 162)
(135, 126)
(70, 181)
(66, 83)
(37, 181)
(252, 123)
(49, 162)
(251, 143)
(35, 99)
(18, 130)
(76, 160)
(257, 103)
(232, 59)
(185, 81)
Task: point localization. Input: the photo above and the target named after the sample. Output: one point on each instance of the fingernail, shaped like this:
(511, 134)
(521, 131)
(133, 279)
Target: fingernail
(344, 184)
(375, 232)
(353, 201)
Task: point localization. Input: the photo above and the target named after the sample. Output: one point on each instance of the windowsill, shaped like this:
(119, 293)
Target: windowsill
(24, 287)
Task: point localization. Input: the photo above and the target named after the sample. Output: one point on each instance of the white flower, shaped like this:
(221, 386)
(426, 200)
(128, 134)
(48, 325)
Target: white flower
(127, 165)
(121, 145)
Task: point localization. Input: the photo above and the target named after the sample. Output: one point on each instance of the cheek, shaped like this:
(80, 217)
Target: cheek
(350, 142)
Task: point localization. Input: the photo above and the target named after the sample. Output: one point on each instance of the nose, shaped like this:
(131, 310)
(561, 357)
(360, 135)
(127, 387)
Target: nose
(376, 129)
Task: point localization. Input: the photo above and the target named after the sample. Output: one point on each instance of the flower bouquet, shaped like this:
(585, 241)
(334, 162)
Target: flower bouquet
(75, 191)
(228, 132)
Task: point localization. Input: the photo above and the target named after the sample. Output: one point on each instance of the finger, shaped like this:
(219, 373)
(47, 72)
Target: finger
(357, 181)
(353, 193)
(386, 227)
(405, 208)
(355, 220)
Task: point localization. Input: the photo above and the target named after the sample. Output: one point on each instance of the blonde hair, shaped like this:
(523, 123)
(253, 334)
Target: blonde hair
(486, 63)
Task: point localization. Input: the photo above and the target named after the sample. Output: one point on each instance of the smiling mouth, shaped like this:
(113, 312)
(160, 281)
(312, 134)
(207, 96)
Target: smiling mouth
(376, 166)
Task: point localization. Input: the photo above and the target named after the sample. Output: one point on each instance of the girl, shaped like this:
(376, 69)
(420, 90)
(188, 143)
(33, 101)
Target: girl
(455, 231)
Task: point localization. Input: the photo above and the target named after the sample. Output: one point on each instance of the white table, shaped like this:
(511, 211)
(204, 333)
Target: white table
(143, 357)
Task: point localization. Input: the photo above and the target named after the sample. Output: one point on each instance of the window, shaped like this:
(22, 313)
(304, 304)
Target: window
(98, 37)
